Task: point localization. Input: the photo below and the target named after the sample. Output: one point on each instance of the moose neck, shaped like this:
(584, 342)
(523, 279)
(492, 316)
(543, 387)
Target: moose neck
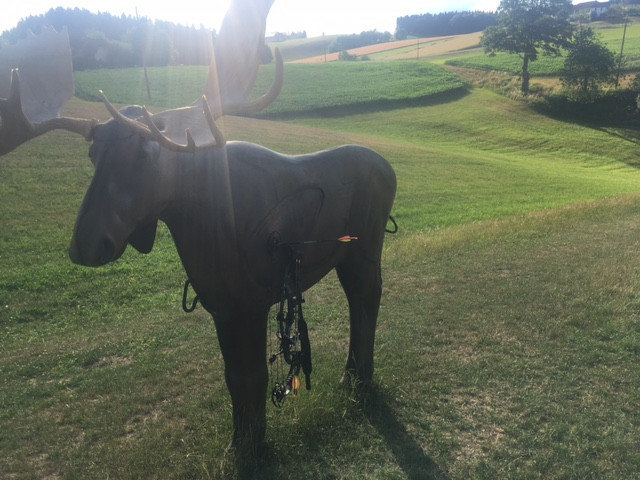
(200, 216)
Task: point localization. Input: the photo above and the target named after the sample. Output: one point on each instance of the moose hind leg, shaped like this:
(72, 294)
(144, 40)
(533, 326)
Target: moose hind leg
(362, 283)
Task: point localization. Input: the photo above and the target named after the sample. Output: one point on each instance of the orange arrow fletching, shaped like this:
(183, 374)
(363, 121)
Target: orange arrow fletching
(347, 239)
(295, 386)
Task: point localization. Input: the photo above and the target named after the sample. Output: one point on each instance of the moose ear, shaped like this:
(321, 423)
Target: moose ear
(143, 236)
(151, 149)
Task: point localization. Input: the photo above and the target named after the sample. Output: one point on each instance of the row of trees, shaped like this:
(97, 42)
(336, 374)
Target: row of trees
(103, 40)
(447, 23)
(531, 27)
(283, 37)
(347, 42)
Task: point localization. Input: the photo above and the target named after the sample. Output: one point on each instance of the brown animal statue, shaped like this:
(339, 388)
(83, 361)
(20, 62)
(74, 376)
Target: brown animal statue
(224, 203)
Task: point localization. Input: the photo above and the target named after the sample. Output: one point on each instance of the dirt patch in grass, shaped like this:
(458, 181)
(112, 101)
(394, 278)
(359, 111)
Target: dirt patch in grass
(113, 361)
(480, 437)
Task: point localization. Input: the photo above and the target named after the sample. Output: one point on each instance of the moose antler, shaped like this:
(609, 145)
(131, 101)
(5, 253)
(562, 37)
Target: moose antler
(152, 131)
(44, 62)
(164, 127)
(244, 107)
(25, 115)
(16, 128)
(241, 37)
(156, 127)
(228, 83)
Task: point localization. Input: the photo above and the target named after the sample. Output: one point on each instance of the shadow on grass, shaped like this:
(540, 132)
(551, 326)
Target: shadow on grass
(409, 455)
(370, 107)
(626, 133)
(614, 114)
(308, 450)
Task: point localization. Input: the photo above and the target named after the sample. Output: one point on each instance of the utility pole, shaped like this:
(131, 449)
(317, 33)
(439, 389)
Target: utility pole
(144, 61)
(624, 35)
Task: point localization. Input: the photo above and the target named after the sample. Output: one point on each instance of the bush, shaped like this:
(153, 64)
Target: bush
(588, 64)
(611, 108)
(346, 56)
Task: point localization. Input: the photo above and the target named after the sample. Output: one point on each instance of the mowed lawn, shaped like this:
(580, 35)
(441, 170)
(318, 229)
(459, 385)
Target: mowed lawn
(508, 336)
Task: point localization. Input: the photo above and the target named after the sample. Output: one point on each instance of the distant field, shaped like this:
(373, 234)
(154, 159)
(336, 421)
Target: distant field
(350, 83)
(612, 38)
(551, 66)
(430, 48)
(370, 50)
(293, 50)
(407, 49)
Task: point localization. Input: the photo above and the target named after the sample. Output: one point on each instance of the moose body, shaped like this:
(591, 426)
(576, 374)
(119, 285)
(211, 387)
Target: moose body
(313, 197)
(238, 275)
(230, 206)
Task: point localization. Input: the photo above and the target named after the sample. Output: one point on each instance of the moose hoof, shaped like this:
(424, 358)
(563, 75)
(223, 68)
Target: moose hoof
(351, 380)
(242, 460)
(245, 449)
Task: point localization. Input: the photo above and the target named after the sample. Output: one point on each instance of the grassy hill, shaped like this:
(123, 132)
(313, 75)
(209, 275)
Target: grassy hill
(358, 85)
(368, 85)
(502, 160)
(508, 335)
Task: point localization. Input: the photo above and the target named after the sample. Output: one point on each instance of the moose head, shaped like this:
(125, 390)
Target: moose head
(224, 204)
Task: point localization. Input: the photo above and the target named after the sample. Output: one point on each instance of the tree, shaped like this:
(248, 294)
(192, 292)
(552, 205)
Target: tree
(527, 27)
(588, 62)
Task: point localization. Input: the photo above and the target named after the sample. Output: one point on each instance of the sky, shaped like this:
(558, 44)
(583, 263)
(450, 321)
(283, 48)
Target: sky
(314, 17)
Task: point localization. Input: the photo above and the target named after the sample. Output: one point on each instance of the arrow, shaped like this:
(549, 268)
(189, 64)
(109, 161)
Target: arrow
(347, 239)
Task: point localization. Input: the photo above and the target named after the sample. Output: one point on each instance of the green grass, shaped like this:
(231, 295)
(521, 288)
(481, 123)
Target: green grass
(355, 85)
(171, 87)
(352, 85)
(612, 38)
(545, 65)
(527, 335)
(484, 157)
(508, 337)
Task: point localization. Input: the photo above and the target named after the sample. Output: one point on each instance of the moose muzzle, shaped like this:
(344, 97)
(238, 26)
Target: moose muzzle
(99, 253)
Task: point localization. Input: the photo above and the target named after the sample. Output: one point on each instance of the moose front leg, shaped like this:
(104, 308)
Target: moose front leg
(242, 337)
